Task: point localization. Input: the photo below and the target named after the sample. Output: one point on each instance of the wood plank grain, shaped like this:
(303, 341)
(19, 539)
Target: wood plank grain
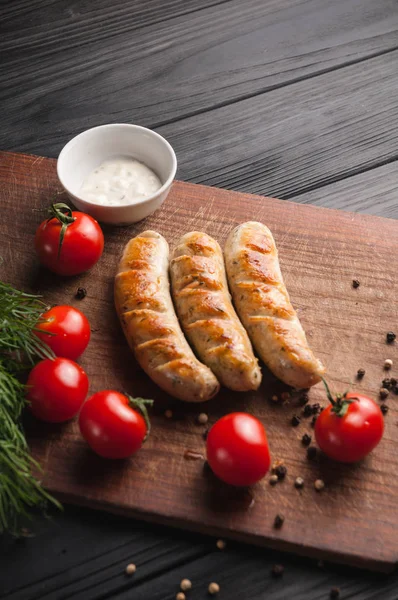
(321, 251)
(81, 554)
(293, 140)
(373, 192)
(130, 62)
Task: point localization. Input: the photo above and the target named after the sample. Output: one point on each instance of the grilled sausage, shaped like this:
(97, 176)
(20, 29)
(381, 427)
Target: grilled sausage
(263, 304)
(203, 303)
(146, 312)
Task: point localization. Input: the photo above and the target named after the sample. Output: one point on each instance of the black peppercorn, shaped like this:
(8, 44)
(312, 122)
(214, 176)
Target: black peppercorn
(81, 293)
(387, 383)
(313, 420)
(306, 439)
(296, 421)
(383, 392)
(280, 471)
(356, 283)
(278, 521)
(384, 408)
(390, 337)
(303, 399)
(311, 452)
(360, 373)
(307, 412)
(395, 389)
(335, 593)
(277, 570)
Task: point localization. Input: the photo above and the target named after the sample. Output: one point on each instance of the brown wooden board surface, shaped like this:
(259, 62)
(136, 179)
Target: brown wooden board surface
(355, 518)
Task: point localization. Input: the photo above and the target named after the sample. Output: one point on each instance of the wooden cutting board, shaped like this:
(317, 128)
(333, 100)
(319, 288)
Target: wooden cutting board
(355, 519)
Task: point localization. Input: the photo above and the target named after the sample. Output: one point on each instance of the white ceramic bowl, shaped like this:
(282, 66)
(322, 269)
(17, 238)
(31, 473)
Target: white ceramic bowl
(89, 149)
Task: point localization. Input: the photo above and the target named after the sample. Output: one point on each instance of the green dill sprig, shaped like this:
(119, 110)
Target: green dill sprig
(20, 491)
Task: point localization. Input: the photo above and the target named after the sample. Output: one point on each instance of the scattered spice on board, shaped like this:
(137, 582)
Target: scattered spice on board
(295, 421)
(313, 420)
(390, 337)
(273, 479)
(277, 570)
(213, 588)
(306, 439)
(360, 373)
(130, 569)
(384, 408)
(383, 393)
(299, 483)
(311, 409)
(221, 544)
(356, 283)
(388, 364)
(319, 485)
(185, 585)
(280, 472)
(387, 383)
(181, 596)
(203, 419)
(278, 521)
(81, 293)
(303, 399)
(311, 453)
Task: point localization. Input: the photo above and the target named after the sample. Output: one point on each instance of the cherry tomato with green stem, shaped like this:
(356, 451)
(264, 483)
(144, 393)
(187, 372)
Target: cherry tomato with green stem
(66, 330)
(350, 427)
(237, 449)
(113, 424)
(56, 389)
(69, 242)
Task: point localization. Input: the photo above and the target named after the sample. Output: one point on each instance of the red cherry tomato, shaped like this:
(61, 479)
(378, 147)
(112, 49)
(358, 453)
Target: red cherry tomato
(237, 449)
(66, 330)
(81, 246)
(111, 425)
(56, 389)
(350, 437)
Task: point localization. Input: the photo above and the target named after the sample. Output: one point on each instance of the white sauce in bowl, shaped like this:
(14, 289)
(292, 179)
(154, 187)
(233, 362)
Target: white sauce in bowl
(120, 181)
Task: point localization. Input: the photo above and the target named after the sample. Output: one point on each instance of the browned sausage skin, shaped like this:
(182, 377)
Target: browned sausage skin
(203, 303)
(146, 313)
(263, 304)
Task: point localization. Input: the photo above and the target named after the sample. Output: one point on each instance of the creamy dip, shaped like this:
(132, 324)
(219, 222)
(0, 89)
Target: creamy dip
(120, 181)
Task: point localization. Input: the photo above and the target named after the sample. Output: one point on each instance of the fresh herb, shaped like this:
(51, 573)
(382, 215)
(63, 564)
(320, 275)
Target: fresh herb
(20, 491)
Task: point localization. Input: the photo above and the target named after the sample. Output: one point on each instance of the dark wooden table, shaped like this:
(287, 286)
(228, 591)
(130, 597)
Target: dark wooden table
(291, 98)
